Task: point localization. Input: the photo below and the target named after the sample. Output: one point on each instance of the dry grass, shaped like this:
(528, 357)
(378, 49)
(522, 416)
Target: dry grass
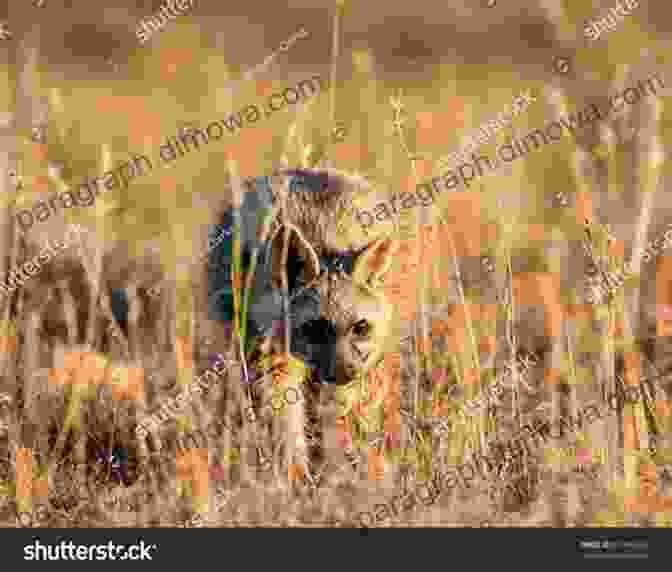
(94, 392)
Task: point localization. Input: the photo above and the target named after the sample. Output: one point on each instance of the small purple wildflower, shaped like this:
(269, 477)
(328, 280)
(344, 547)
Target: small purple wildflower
(215, 358)
(217, 472)
(278, 328)
(439, 376)
(392, 441)
(252, 374)
(584, 456)
(115, 463)
(664, 312)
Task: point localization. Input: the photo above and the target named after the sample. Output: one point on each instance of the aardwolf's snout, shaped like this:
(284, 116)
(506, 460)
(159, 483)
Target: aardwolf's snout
(315, 342)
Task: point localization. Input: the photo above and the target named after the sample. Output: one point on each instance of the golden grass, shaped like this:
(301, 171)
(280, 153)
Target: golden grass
(663, 294)
(144, 125)
(78, 367)
(24, 466)
(193, 476)
(184, 352)
(41, 489)
(128, 382)
(253, 141)
(433, 128)
(367, 148)
(87, 369)
(542, 289)
(8, 343)
(173, 59)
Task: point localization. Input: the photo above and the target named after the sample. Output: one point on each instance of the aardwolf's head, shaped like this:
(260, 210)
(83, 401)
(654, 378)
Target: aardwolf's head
(339, 316)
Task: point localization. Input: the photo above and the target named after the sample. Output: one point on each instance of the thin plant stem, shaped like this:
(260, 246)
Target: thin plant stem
(266, 229)
(335, 49)
(238, 314)
(285, 285)
(398, 122)
(460, 289)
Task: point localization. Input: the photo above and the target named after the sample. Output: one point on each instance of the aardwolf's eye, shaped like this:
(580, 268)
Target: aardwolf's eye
(361, 328)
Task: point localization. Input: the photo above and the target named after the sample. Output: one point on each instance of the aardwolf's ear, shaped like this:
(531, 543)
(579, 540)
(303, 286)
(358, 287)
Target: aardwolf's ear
(374, 262)
(300, 256)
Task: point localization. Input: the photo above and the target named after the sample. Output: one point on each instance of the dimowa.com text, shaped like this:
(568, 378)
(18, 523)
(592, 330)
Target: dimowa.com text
(426, 193)
(465, 473)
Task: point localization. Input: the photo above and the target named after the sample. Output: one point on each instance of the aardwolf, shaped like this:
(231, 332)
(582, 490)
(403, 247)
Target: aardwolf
(338, 316)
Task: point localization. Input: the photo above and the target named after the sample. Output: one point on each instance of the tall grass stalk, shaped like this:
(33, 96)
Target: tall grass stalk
(469, 325)
(237, 261)
(398, 122)
(249, 426)
(335, 49)
(249, 278)
(650, 172)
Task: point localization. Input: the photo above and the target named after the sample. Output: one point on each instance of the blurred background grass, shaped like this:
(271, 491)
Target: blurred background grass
(456, 74)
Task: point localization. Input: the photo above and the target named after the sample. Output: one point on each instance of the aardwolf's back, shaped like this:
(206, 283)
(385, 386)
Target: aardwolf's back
(320, 203)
